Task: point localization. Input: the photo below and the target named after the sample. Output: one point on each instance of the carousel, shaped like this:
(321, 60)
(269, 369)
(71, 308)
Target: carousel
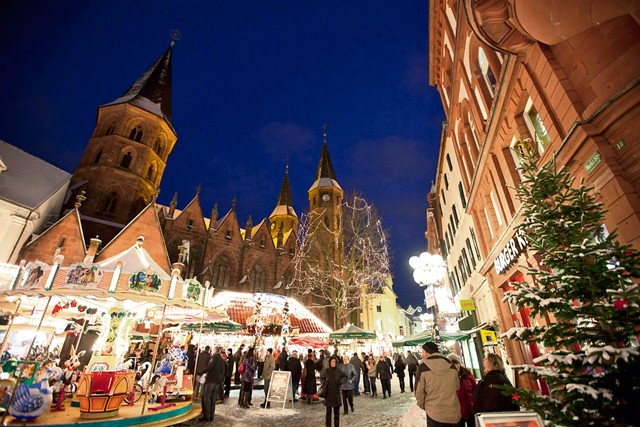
(84, 344)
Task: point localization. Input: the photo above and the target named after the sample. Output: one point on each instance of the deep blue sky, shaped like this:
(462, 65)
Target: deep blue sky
(253, 83)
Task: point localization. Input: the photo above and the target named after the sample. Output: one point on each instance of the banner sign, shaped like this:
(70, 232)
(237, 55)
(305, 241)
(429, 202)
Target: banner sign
(467, 305)
(514, 247)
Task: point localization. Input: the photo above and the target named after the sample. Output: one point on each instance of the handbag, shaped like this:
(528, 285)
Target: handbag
(202, 378)
(241, 369)
(322, 390)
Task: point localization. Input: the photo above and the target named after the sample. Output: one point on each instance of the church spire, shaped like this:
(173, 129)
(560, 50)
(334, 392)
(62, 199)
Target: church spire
(325, 175)
(152, 90)
(284, 215)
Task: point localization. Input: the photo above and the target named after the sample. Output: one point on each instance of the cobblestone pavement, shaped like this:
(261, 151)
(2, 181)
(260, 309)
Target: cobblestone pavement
(369, 412)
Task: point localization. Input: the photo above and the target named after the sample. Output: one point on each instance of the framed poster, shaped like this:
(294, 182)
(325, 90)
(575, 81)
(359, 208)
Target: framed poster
(509, 419)
(280, 389)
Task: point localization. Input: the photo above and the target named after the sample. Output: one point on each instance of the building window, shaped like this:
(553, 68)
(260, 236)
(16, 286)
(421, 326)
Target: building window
(111, 129)
(401, 330)
(496, 208)
(158, 147)
(221, 273)
(449, 162)
(98, 156)
(444, 200)
(536, 127)
(228, 235)
(257, 278)
(455, 215)
(379, 308)
(136, 134)
(475, 243)
(466, 261)
(446, 181)
(262, 242)
(190, 223)
(126, 160)
(487, 72)
(470, 250)
(110, 203)
(150, 173)
(463, 199)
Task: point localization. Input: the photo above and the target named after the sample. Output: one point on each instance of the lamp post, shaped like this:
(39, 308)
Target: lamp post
(428, 271)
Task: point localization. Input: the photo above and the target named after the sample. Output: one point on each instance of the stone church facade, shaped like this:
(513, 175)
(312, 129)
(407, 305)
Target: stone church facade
(115, 187)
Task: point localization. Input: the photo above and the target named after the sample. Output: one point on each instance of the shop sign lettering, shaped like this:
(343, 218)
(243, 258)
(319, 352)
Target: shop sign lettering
(514, 247)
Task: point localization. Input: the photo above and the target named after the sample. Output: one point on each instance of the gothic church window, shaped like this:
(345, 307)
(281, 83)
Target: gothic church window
(257, 278)
(158, 147)
(221, 273)
(111, 129)
(126, 160)
(110, 203)
(98, 156)
(136, 134)
(150, 173)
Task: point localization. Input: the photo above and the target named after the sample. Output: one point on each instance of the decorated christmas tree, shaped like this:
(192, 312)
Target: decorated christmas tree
(587, 290)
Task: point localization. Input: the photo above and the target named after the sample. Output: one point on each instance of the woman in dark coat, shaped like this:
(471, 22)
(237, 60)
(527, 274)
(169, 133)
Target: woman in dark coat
(383, 372)
(487, 398)
(399, 370)
(247, 378)
(310, 387)
(333, 378)
(465, 392)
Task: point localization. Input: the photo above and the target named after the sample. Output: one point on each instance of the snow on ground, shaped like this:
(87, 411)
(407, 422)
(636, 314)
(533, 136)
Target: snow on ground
(369, 412)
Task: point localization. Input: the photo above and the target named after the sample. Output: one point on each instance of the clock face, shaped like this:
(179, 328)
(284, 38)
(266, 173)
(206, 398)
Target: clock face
(325, 197)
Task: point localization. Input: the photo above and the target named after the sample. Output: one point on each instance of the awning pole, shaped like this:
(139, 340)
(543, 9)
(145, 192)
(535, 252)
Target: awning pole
(153, 362)
(200, 348)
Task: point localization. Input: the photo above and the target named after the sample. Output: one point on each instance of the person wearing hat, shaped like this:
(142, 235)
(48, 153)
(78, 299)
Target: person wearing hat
(295, 367)
(465, 392)
(436, 386)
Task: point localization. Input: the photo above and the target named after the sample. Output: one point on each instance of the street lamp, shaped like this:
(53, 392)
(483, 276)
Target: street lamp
(428, 269)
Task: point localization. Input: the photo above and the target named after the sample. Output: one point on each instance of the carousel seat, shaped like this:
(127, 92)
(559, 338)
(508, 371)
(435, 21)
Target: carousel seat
(101, 393)
(102, 382)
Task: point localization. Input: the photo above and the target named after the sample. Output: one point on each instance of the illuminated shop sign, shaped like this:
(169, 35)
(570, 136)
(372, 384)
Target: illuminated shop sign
(510, 252)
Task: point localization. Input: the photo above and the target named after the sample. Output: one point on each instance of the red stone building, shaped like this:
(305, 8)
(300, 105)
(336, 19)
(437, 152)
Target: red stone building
(115, 186)
(560, 75)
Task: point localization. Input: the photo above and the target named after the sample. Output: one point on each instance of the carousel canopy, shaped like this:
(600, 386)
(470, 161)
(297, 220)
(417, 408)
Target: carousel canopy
(136, 258)
(352, 332)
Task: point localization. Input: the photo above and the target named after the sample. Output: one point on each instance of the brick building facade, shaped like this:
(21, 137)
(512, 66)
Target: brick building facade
(560, 76)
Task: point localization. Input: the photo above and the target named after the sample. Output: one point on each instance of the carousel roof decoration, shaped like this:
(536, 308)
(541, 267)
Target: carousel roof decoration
(131, 275)
(241, 308)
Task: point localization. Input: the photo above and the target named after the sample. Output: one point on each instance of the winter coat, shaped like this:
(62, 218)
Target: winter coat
(390, 365)
(249, 370)
(465, 393)
(382, 370)
(412, 363)
(400, 367)
(487, 398)
(357, 363)
(350, 373)
(203, 361)
(230, 362)
(295, 367)
(334, 379)
(436, 390)
(310, 386)
(269, 366)
(215, 370)
(371, 366)
(282, 360)
(365, 368)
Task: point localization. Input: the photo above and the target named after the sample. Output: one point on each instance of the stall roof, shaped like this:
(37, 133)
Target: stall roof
(134, 259)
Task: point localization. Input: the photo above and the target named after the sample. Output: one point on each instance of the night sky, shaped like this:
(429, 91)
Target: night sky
(253, 83)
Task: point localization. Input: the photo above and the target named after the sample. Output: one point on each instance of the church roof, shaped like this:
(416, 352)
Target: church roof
(285, 201)
(152, 91)
(325, 176)
(23, 171)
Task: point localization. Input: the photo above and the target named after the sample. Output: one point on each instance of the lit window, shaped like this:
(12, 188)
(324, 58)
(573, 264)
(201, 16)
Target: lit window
(379, 308)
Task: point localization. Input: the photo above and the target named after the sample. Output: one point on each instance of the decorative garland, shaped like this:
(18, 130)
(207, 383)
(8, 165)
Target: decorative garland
(286, 321)
(73, 304)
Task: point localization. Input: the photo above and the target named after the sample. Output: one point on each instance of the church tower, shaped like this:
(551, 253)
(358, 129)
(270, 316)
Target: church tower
(325, 199)
(283, 218)
(125, 158)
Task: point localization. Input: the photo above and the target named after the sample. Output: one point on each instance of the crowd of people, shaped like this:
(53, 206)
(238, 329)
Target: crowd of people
(444, 388)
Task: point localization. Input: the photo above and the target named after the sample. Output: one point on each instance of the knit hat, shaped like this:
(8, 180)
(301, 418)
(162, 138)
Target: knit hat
(454, 358)
(430, 347)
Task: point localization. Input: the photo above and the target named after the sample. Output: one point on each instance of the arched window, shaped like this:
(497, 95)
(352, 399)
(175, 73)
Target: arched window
(150, 173)
(221, 273)
(126, 160)
(110, 203)
(157, 147)
(111, 129)
(136, 134)
(98, 156)
(257, 278)
(487, 72)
